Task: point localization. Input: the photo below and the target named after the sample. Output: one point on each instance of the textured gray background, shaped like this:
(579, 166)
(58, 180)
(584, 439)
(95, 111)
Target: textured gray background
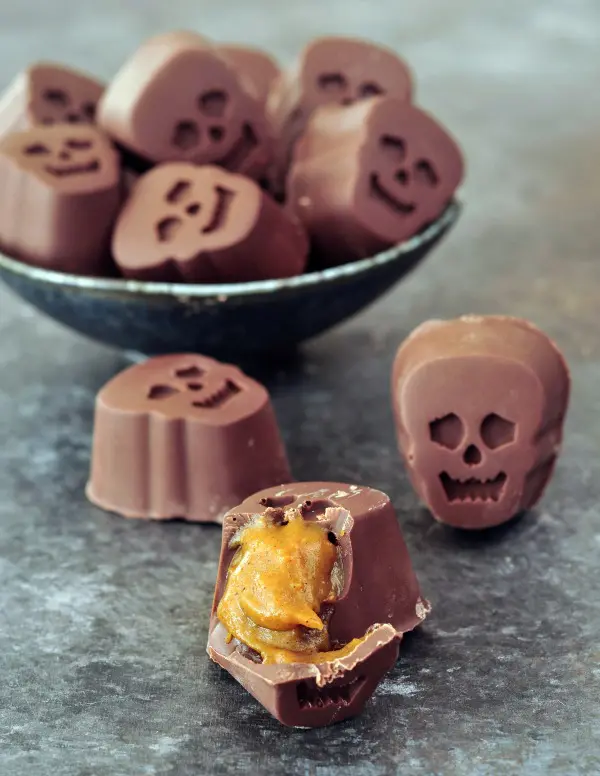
(103, 622)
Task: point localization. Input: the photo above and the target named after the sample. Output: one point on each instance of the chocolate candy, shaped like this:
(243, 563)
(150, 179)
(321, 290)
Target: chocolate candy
(177, 99)
(48, 93)
(330, 70)
(480, 404)
(373, 598)
(255, 65)
(60, 192)
(205, 225)
(369, 176)
(183, 436)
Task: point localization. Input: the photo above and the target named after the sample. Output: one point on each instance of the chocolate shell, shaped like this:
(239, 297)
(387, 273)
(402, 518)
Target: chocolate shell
(183, 436)
(480, 403)
(380, 599)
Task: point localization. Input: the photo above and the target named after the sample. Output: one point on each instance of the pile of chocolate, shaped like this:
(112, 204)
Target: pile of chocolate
(204, 163)
(315, 587)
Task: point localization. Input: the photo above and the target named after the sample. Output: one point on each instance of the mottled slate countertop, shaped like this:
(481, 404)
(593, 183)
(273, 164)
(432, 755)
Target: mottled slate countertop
(103, 622)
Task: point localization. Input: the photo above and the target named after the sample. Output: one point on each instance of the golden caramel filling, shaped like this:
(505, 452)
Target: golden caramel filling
(278, 580)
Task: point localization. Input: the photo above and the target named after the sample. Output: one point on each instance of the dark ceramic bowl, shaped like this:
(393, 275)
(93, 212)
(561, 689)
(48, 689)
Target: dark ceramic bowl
(234, 321)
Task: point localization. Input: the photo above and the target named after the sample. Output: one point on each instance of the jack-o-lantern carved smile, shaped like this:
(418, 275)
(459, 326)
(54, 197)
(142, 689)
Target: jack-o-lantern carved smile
(66, 180)
(205, 225)
(479, 405)
(70, 158)
(177, 99)
(371, 175)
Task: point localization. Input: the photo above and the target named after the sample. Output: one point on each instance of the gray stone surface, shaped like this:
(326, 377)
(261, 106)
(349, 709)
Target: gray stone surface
(103, 622)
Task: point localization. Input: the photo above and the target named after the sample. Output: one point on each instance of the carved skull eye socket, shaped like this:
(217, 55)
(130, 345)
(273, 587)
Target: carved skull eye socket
(497, 431)
(213, 103)
(394, 147)
(89, 110)
(56, 97)
(332, 83)
(36, 150)
(447, 431)
(369, 89)
(425, 173)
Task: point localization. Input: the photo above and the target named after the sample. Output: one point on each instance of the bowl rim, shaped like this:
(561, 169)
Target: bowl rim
(220, 290)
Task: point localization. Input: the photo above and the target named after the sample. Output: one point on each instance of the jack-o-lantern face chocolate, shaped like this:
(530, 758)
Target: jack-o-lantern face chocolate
(302, 616)
(338, 71)
(479, 404)
(182, 436)
(370, 176)
(75, 159)
(205, 225)
(61, 193)
(177, 99)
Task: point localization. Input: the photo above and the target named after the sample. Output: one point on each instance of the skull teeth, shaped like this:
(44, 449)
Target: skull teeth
(472, 489)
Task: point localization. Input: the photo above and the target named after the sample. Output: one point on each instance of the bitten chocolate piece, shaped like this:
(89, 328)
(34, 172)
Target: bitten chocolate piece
(355, 617)
(480, 404)
(60, 192)
(205, 225)
(369, 176)
(48, 93)
(257, 66)
(330, 70)
(177, 99)
(183, 436)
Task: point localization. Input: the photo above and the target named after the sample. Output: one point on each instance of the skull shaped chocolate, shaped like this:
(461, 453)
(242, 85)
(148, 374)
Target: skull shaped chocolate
(479, 405)
(183, 436)
(330, 70)
(375, 603)
(370, 176)
(60, 192)
(48, 94)
(177, 99)
(205, 225)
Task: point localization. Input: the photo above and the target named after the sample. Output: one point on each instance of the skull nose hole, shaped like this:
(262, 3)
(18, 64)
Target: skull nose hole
(64, 155)
(472, 456)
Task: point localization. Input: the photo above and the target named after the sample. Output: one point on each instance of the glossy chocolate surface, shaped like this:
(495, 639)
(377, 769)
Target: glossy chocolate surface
(380, 598)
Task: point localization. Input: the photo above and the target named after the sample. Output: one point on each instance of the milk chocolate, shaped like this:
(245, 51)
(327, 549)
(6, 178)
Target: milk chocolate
(183, 436)
(370, 176)
(380, 600)
(48, 93)
(177, 99)
(479, 403)
(60, 192)
(330, 70)
(257, 66)
(205, 225)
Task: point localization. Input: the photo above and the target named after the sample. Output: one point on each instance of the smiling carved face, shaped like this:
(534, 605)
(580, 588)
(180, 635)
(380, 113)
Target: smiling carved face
(72, 159)
(409, 169)
(177, 99)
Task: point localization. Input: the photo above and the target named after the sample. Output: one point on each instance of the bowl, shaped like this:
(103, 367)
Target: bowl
(235, 321)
